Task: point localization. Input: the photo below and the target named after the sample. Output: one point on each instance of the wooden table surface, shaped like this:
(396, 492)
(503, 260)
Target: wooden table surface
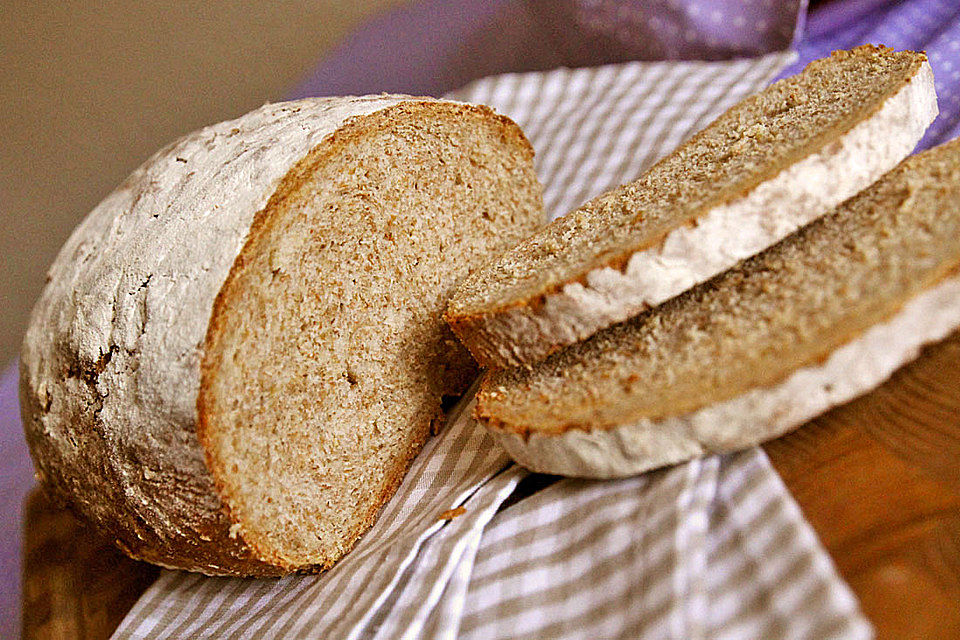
(879, 480)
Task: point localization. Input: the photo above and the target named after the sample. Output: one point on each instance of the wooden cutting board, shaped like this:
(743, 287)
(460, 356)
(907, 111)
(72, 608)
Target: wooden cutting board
(879, 480)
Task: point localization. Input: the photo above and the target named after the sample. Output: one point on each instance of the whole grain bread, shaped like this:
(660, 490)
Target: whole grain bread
(764, 168)
(240, 350)
(825, 315)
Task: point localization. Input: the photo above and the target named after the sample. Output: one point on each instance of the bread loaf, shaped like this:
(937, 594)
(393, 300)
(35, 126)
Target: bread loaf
(764, 168)
(825, 315)
(240, 350)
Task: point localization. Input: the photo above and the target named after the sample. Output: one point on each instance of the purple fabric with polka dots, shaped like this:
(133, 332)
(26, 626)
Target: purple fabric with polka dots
(929, 25)
(685, 29)
(435, 46)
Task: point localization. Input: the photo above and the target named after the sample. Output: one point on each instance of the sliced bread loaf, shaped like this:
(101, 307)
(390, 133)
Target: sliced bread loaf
(825, 315)
(760, 171)
(239, 351)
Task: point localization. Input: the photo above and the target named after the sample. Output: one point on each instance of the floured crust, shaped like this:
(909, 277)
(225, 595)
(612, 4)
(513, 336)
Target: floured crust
(110, 365)
(825, 315)
(662, 262)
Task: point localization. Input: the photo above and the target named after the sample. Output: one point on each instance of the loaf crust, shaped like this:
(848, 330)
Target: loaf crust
(111, 361)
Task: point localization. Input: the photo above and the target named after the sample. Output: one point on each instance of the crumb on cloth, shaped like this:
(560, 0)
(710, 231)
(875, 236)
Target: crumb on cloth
(450, 514)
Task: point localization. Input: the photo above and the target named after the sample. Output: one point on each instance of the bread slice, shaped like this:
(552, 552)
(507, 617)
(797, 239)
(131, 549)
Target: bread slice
(764, 168)
(825, 315)
(239, 351)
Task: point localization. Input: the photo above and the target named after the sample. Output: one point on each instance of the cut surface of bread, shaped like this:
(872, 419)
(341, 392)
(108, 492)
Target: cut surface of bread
(825, 315)
(239, 352)
(327, 354)
(767, 166)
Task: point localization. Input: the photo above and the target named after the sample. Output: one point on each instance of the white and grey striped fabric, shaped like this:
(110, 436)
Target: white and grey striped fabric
(714, 548)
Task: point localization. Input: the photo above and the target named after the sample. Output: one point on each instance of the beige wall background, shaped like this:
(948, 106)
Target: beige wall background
(90, 89)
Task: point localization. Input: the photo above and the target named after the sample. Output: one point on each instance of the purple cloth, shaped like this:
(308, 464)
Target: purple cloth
(433, 46)
(16, 479)
(930, 25)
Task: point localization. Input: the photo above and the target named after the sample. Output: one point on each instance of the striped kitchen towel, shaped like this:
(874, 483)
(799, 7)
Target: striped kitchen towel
(714, 548)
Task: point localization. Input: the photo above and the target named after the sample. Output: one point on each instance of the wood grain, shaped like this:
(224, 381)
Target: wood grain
(878, 478)
(75, 585)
